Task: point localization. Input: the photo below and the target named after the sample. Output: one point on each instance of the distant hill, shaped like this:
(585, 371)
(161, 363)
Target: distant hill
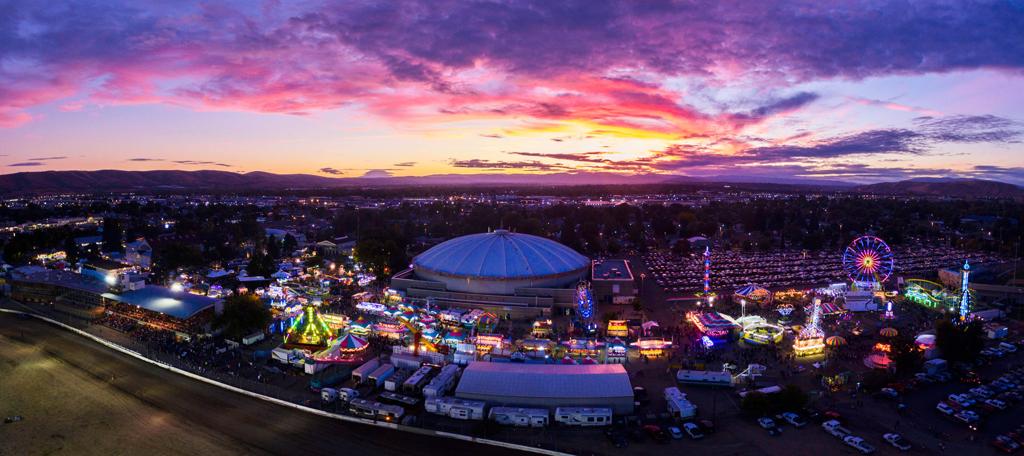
(117, 180)
(955, 188)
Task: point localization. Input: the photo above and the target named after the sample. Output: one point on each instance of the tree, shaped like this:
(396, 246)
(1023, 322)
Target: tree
(242, 315)
(289, 244)
(71, 250)
(112, 234)
(959, 342)
(273, 247)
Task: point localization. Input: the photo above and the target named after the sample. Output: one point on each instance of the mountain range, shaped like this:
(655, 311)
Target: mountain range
(174, 180)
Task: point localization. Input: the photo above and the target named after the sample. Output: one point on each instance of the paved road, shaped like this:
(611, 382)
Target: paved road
(257, 426)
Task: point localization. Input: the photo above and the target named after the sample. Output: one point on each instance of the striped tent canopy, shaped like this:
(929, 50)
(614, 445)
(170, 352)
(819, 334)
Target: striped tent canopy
(888, 332)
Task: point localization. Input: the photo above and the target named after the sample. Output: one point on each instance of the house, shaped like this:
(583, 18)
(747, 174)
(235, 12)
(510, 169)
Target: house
(139, 253)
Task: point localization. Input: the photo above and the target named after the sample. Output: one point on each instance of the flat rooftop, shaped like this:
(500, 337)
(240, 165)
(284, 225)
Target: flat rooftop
(545, 380)
(178, 304)
(55, 277)
(612, 270)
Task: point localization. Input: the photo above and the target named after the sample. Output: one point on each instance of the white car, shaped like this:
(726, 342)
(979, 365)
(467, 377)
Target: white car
(961, 400)
(835, 429)
(859, 444)
(794, 419)
(996, 403)
(897, 441)
(693, 430)
(766, 422)
(981, 392)
(1008, 347)
(945, 408)
(967, 416)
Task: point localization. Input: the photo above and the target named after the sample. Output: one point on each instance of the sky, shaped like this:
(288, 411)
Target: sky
(844, 90)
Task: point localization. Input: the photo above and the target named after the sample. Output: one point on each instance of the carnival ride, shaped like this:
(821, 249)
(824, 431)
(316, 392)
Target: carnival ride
(868, 261)
(933, 295)
(707, 296)
(811, 339)
(755, 294)
(309, 331)
(586, 310)
(965, 301)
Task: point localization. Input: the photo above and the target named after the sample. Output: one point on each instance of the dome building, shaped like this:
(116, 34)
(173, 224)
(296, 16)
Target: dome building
(509, 272)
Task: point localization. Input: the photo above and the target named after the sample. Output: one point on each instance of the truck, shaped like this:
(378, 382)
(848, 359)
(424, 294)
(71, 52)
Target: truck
(460, 409)
(837, 430)
(443, 382)
(415, 383)
(330, 376)
(347, 394)
(328, 395)
(699, 377)
(519, 417)
(379, 375)
(583, 416)
(360, 373)
(678, 405)
(253, 338)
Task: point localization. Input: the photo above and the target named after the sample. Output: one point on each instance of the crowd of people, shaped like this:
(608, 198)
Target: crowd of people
(732, 269)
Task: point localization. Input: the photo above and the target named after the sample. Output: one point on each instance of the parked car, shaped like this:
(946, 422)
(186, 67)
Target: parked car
(1005, 444)
(765, 422)
(794, 419)
(656, 433)
(675, 432)
(961, 400)
(693, 430)
(967, 416)
(1008, 347)
(897, 441)
(707, 426)
(996, 403)
(859, 444)
(944, 408)
(889, 393)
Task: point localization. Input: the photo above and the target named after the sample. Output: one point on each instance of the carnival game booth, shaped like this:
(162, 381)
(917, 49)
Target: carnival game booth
(754, 294)
(541, 329)
(618, 328)
(582, 348)
(617, 352)
(716, 326)
(652, 347)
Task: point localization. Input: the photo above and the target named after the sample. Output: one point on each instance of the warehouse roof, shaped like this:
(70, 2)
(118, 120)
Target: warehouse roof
(178, 304)
(545, 380)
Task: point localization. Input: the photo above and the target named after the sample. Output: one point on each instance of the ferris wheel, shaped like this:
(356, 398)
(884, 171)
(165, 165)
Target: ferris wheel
(868, 259)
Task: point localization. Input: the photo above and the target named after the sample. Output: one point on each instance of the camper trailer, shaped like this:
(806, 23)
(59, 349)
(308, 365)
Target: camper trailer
(375, 410)
(583, 416)
(678, 405)
(415, 383)
(394, 382)
(459, 409)
(388, 397)
(695, 377)
(361, 372)
(443, 382)
(519, 417)
(379, 375)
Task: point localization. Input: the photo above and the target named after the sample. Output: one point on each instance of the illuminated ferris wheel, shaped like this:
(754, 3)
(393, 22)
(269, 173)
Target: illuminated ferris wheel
(868, 259)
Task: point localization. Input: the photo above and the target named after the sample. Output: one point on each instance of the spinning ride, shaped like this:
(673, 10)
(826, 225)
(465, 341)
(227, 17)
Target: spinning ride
(868, 260)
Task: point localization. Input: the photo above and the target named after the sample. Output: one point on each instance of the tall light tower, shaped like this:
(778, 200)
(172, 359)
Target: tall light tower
(965, 294)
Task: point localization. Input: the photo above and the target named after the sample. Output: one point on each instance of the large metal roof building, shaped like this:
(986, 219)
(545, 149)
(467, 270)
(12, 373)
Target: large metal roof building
(548, 385)
(500, 262)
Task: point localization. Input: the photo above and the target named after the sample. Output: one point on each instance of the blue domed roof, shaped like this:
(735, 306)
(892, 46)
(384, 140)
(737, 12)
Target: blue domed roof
(501, 254)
